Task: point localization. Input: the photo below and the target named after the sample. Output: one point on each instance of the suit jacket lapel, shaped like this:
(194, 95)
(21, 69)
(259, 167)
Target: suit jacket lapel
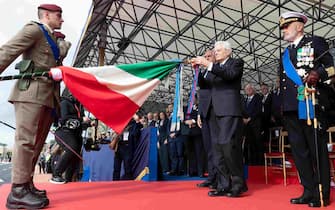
(227, 63)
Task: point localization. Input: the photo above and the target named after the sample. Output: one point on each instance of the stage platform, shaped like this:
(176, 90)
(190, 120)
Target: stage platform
(167, 195)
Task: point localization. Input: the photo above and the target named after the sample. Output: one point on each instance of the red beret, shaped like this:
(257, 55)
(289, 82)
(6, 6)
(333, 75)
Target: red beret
(59, 34)
(50, 7)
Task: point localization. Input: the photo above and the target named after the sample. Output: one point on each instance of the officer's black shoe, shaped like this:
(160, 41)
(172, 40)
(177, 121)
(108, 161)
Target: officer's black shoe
(21, 197)
(192, 174)
(57, 180)
(204, 184)
(216, 193)
(244, 188)
(33, 189)
(237, 191)
(172, 173)
(316, 203)
(181, 173)
(301, 200)
(234, 193)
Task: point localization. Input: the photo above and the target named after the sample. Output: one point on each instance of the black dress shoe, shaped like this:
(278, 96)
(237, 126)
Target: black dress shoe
(33, 189)
(237, 191)
(204, 184)
(316, 203)
(215, 193)
(21, 197)
(172, 173)
(192, 174)
(181, 173)
(244, 188)
(234, 193)
(301, 200)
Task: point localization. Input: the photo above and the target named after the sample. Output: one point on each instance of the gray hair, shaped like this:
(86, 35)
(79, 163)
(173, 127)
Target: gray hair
(225, 44)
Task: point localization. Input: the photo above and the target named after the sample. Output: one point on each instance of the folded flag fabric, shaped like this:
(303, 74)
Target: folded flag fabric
(114, 93)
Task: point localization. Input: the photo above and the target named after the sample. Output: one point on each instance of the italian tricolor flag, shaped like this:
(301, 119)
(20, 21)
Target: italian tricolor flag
(114, 93)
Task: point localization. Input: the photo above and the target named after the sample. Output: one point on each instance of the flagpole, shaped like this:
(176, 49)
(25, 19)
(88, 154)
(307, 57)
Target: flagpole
(6, 124)
(25, 76)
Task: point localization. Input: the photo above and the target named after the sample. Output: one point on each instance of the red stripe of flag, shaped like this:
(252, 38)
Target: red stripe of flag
(112, 108)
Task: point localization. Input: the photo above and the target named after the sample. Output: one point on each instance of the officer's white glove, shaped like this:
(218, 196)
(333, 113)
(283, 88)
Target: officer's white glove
(55, 74)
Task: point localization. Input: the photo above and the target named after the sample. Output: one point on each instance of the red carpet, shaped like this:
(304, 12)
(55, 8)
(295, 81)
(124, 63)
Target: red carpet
(166, 195)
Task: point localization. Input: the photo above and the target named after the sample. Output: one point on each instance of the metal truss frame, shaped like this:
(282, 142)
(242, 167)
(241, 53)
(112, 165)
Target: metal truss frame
(130, 31)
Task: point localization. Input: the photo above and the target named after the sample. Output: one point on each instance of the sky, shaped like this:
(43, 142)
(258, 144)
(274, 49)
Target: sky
(14, 15)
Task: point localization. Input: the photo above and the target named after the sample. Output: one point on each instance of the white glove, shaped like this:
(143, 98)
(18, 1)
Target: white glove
(56, 74)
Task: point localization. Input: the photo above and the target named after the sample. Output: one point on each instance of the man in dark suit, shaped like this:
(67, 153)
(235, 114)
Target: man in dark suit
(151, 120)
(203, 121)
(225, 119)
(193, 142)
(276, 109)
(307, 58)
(176, 149)
(253, 146)
(266, 111)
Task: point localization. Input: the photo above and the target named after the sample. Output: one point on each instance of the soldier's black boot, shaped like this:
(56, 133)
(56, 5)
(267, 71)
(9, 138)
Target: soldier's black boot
(33, 189)
(21, 197)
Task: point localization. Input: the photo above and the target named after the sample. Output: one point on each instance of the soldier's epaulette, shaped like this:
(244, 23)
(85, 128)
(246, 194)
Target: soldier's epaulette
(330, 71)
(34, 22)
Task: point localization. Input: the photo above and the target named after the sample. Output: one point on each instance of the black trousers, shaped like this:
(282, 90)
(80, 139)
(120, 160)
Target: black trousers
(301, 138)
(68, 160)
(176, 151)
(207, 142)
(254, 145)
(123, 155)
(194, 154)
(163, 153)
(227, 151)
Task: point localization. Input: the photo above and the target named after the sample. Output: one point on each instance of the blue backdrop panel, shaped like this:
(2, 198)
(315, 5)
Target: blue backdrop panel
(98, 165)
(146, 155)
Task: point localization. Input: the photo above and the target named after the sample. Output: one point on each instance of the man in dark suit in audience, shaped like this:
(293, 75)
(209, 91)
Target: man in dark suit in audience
(266, 111)
(193, 142)
(276, 108)
(225, 119)
(253, 147)
(151, 120)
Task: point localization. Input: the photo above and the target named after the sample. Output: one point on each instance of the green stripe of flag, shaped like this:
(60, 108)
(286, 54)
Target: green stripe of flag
(151, 69)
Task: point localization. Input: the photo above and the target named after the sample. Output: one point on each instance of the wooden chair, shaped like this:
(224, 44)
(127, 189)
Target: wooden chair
(276, 150)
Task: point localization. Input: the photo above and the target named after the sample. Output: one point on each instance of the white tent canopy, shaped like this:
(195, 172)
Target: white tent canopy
(129, 31)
